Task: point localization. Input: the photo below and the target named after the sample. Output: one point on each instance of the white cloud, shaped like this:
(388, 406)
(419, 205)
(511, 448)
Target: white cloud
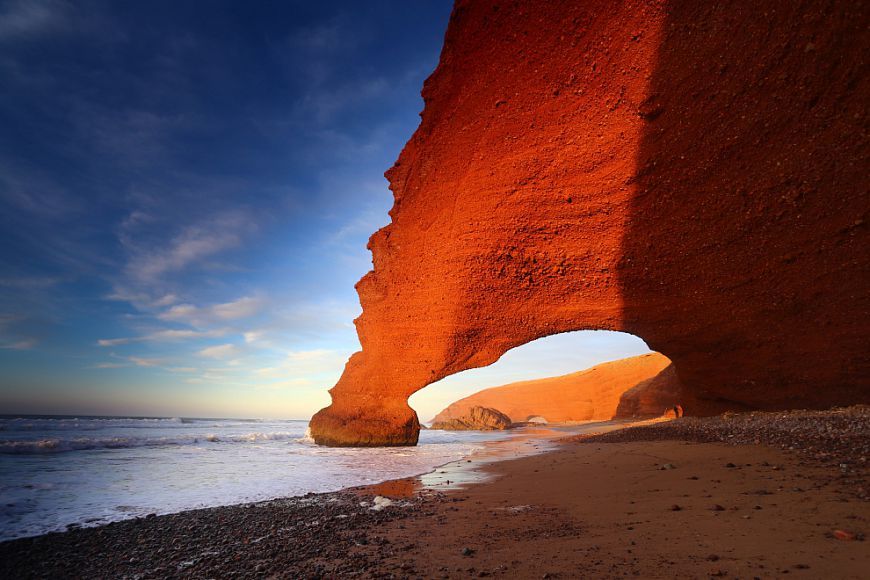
(253, 336)
(179, 312)
(168, 335)
(25, 344)
(180, 334)
(244, 307)
(194, 244)
(221, 351)
(241, 308)
(109, 365)
(112, 341)
(144, 362)
(141, 299)
(167, 300)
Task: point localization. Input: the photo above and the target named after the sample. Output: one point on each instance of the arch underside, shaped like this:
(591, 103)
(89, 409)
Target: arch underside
(582, 166)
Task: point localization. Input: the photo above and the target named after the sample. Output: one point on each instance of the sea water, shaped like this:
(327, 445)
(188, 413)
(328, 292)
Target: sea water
(58, 472)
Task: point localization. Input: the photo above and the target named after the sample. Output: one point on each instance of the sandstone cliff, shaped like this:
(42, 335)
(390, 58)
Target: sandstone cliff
(595, 393)
(475, 418)
(693, 173)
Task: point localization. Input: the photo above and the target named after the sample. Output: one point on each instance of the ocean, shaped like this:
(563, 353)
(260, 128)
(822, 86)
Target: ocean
(61, 472)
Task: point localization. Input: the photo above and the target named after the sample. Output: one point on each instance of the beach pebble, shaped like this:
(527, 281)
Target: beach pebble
(381, 502)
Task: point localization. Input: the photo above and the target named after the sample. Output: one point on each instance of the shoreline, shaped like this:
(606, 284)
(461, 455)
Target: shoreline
(464, 468)
(604, 505)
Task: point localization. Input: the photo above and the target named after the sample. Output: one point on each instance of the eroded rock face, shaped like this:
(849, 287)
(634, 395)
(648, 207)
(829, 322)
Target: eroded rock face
(592, 394)
(692, 173)
(475, 419)
(653, 397)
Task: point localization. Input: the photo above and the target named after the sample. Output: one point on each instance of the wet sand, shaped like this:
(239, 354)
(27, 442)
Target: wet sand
(650, 502)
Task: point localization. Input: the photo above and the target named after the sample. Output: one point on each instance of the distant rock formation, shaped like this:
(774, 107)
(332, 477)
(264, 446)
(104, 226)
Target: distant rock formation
(643, 385)
(693, 173)
(476, 419)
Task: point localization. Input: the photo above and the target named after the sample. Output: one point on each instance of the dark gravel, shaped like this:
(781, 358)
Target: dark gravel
(315, 536)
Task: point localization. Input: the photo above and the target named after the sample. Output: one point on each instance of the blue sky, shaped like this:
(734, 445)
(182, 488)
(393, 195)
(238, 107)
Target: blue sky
(186, 190)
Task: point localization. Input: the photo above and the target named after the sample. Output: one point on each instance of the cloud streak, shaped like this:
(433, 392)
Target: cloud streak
(164, 336)
(242, 308)
(25, 19)
(220, 351)
(194, 244)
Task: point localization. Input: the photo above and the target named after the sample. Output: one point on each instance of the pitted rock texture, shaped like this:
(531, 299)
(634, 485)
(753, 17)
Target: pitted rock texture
(475, 418)
(693, 173)
(592, 394)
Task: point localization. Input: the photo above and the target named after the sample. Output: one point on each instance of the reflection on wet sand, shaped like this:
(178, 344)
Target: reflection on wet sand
(523, 442)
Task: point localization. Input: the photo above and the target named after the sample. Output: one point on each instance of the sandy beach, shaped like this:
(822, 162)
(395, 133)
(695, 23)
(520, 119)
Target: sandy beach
(746, 496)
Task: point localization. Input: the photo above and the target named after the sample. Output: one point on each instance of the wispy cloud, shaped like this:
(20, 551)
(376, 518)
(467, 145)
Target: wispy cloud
(142, 300)
(17, 332)
(32, 192)
(245, 307)
(110, 365)
(164, 336)
(31, 18)
(220, 352)
(241, 308)
(191, 246)
(145, 362)
(25, 344)
(253, 336)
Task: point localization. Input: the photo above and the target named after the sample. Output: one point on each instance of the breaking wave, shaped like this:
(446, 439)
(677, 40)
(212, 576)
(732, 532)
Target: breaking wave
(99, 423)
(59, 444)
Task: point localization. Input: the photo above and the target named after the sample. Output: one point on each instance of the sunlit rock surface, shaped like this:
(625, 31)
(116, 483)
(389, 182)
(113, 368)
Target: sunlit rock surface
(596, 393)
(693, 173)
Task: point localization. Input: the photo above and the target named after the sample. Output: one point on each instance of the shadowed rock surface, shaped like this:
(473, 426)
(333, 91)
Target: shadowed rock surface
(476, 419)
(689, 172)
(636, 386)
(652, 397)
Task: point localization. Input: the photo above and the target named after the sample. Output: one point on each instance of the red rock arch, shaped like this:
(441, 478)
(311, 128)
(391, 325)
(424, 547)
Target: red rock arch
(693, 175)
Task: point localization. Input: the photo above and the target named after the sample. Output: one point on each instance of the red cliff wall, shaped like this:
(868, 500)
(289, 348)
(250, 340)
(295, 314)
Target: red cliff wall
(691, 173)
(591, 394)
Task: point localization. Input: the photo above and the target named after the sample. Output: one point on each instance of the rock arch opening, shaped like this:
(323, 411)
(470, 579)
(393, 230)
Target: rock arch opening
(540, 379)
